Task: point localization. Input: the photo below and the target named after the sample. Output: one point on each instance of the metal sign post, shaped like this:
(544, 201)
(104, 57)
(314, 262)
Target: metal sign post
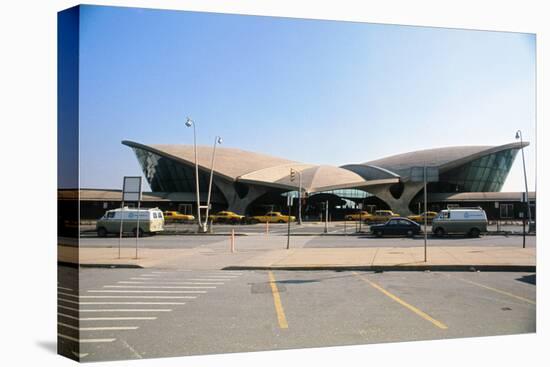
(360, 205)
(131, 191)
(425, 174)
(293, 174)
(137, 227)
(326, 217)
(121, 221)
(425, 216)
(289, 203)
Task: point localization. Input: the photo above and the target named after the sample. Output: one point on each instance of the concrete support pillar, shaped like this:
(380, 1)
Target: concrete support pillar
(235, 203)
(401, 205)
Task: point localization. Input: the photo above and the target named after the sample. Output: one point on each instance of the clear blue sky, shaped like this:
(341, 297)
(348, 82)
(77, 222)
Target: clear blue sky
(313, 91)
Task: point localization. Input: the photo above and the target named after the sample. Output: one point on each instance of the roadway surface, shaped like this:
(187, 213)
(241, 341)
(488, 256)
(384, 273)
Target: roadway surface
(273, 240)
(281, 228)
(145, 313)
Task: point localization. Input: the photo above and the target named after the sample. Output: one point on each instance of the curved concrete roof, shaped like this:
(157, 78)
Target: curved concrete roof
(262, 169)
(230, 162)
(254, 168)
(314, 178)
(443, 158)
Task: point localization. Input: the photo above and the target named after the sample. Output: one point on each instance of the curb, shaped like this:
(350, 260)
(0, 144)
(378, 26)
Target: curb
(380, 268)
(103, 266)
(171, 233)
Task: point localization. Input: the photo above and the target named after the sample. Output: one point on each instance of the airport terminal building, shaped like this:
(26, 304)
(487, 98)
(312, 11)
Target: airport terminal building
(251, 183)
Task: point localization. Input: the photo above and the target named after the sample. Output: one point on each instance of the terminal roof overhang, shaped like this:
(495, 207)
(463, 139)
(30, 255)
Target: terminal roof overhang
(238, 165)
(260, 169)
(444, 159)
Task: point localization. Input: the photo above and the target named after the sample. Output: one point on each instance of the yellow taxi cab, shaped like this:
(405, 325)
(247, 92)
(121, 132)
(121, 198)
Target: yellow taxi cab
(362, 215)
(226, 217)
(381, 216)
(272, 217)
(419, 218)
(175, 216)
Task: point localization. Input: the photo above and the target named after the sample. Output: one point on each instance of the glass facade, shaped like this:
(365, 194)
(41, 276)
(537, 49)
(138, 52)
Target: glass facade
(167, 175)
(486, 174)
(343, 193)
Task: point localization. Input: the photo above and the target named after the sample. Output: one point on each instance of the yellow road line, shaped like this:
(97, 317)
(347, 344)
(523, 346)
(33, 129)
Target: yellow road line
(496, 290)
(420, 313)
(277, 301)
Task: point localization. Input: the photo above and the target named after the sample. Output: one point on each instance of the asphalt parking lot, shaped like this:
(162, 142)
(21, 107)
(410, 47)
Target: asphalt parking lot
(142, 313)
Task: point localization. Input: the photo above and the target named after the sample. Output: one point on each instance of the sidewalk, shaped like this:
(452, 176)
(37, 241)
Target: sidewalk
(373, 258)
(108, 257)
(392, 258)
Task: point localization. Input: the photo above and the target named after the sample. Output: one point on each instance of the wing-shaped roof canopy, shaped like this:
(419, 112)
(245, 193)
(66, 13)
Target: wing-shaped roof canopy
(230, 162)
(248, 167)
(443, 158)
(262, 169)
(314, 178)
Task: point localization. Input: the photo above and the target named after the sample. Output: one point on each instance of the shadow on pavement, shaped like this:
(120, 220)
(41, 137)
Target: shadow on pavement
(530, 279)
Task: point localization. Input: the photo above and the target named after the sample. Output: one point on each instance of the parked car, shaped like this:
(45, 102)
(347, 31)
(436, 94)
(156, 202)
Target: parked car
(469, 221)
(174, 216)
(419, 218)
(381, 216)
(362, 215)
(226, 217)
(272, 217)
(150, 221)
(396, 227)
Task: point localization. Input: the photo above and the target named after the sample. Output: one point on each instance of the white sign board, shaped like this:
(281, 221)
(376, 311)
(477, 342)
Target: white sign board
(131, 188)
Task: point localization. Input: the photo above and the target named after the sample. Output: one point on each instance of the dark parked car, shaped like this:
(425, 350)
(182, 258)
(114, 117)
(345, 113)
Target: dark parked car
(396, 227)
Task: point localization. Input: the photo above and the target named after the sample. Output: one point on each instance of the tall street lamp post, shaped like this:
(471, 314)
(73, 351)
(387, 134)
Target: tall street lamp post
(520, 137)
(190, 123)
(217, 140)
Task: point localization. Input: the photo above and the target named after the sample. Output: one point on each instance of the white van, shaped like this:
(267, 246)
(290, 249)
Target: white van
(150, 221)
(470, 221)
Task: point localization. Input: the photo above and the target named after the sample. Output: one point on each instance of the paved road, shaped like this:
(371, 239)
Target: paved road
(141, 313)
(262, 242)
(281, 229)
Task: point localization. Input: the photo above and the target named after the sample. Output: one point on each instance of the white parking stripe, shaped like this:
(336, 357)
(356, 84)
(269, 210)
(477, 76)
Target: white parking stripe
(139, 291)
(156, 286)
(130, 310)
(134, 297)
(86, 340)
(190, 283)
(204, 280)
(68, 308)
(126, 303)
(67, 294)
(106, 318)
(119, 309)
(98, 328)
(66, 289)
(132, 303)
